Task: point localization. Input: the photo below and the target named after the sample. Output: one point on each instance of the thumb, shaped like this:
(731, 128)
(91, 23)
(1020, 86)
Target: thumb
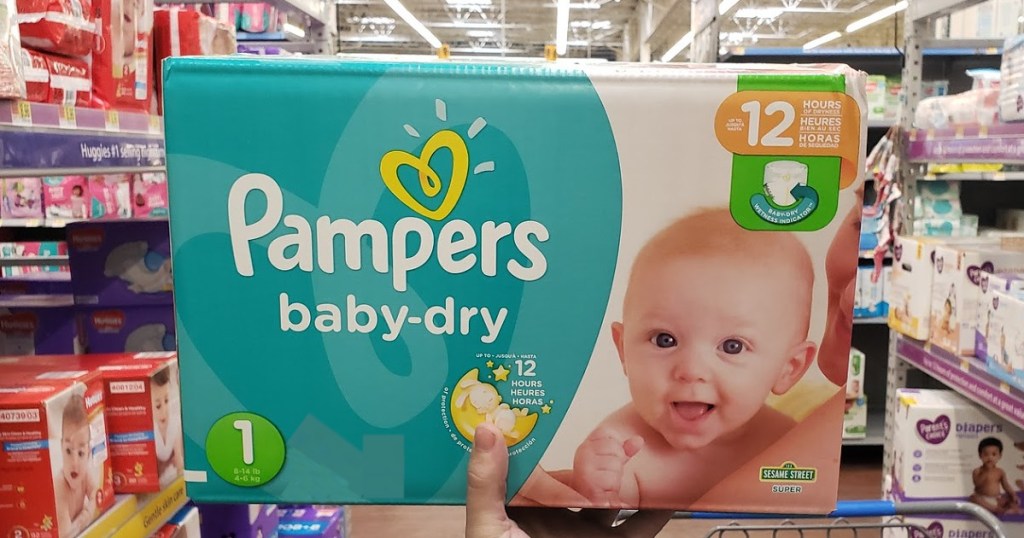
(485, 484)
(633, 445)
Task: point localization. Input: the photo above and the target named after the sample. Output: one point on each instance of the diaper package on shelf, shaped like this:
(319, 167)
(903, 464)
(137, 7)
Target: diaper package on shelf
(122, 262)
(869, 302)
(988, 285)
(33, 324)
(142, 412)
(184, 524)
(55, 466)
(37, 284)
(855, 378)
(64, 27)
(180, 32)
(37, 76)
(1011, 89)
(855, 420)
(955, 291)
(30, 249)
(66, 197)
(56, 79)
(12, 79)
(313, 521)
(149, 194)
(111, 196)
(876, 97)
(129, 329)
(948, 448)
(1006, 335)
(239, 520)
(22, 199)
(122, 58)
(427, 246)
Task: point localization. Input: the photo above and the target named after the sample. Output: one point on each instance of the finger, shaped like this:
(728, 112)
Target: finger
(606, 447)
(645, 523)
(485, 482)
(633, 445)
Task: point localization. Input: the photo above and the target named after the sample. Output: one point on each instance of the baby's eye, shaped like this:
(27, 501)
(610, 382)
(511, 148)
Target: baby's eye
(67, 451)
(732, 346)
(664, 340)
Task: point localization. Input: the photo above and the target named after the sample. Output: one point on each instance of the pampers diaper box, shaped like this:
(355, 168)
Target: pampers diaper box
(120, 262)
(942, 440)
(142, 412)
(352, 304)
(128, 329)
(54, 464)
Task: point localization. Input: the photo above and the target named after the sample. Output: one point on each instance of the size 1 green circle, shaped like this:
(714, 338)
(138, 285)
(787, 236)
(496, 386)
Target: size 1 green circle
(245, 449)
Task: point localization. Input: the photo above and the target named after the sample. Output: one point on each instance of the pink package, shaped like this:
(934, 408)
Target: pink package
(257, 18)
(32, 249)
(149, 195)
(111, 196)
(22, 199)
(66, 197)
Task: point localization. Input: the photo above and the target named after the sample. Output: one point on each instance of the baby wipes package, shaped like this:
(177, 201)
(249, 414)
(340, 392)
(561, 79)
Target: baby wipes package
(131, 329)
(429, 259)
(54, 466)
(948, 448)
(120, 262)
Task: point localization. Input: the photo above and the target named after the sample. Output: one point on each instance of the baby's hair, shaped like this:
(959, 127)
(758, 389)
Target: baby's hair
(74, 412)
(713, 231)
(990, 441)
(77, 189)
(162, 377)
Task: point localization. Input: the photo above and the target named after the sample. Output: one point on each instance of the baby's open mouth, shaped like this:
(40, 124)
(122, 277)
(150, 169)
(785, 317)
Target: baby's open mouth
(691, 411)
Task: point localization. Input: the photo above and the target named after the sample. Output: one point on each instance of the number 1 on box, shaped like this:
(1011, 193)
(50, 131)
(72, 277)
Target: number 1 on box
(245, 427)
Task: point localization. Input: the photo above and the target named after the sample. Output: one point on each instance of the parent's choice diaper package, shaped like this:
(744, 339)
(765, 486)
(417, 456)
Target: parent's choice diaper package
(562, 251)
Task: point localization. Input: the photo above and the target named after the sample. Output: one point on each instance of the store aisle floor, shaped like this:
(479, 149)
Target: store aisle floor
(859, 480)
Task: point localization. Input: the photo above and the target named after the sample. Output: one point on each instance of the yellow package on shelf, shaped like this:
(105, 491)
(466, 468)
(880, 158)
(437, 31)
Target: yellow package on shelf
(153, 511)
(124, 508)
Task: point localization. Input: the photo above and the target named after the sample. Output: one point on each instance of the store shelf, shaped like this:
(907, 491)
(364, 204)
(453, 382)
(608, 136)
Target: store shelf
(967, 376)
(995, 144)
(34, 261)
(875, 434)
(870, 321)
(154, 510)
(941, 48)
(36, 223)
(38, 139)
(975, 176)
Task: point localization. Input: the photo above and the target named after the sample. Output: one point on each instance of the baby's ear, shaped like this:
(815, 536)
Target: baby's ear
(617, 336)
(800, 359)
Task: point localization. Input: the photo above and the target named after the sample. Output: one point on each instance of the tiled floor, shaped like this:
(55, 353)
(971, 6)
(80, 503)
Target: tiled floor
(861, 479)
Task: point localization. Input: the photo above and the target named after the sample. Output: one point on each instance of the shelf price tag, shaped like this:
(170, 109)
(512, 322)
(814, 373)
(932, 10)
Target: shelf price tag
(112, 121)
(21, 113)
(965, 365)
(68, 117)
(154, 125)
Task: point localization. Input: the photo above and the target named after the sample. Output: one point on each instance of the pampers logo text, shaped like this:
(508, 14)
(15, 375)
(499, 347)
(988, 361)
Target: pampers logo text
(458, 247)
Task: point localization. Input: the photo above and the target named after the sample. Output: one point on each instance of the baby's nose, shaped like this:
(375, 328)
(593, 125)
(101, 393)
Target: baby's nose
(691, 367)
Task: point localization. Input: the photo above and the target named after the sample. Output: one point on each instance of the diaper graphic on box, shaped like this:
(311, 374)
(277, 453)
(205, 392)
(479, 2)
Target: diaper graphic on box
(442, 257)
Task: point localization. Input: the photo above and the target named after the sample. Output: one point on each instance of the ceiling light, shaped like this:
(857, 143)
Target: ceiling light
(726, 5)
(463, 3)
(876, 16)
(759, 13)
(593, 25)
(680, 46)
(382, 21)
(562, 27)
(480, 33)
(822, 40)
(411, 20)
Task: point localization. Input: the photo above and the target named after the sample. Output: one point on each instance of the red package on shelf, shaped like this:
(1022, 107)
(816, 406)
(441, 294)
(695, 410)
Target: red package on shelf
(122, 71)
(37, 76)
(63, 27)
(186, 32)
(12, 81)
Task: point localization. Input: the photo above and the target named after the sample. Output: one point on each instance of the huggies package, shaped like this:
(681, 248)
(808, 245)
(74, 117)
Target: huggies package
(122, 76)
(111, 196)
(122, 262)
(955, 291)
(36, 284)
(947, 448)
(22, 198)
(425, 243)
(240, 520)
(127, 329)
(37, 324)
(66, 197)
(149, 195)
(54, 466)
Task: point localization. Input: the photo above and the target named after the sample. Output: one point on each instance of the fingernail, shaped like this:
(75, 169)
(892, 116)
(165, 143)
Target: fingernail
(484, 438)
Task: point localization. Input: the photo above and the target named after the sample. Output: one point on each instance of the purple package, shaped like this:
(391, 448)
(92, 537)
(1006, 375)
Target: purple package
(37, 325)
(126, 329)
(318, 521)
(238, 520)
(121, 262)
(36, 284)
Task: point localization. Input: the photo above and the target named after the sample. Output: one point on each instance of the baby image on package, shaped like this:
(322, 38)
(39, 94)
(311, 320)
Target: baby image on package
(643, 277)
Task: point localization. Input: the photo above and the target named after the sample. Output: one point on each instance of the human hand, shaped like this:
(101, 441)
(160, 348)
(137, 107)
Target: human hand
(486, 516)
(599, 466)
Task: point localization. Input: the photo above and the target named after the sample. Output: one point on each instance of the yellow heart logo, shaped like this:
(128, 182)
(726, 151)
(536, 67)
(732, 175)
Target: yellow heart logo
(430, 181)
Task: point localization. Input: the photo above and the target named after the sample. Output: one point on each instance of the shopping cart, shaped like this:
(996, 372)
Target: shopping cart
(843, 520)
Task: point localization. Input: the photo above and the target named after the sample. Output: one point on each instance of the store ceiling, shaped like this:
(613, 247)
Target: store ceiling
(598, 28)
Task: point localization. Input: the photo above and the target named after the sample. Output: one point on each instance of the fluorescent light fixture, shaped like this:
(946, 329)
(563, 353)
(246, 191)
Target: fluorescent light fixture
(462, 3)
(814, 43)
(726, 5)
(371, 20)
(480, 33)
(593, 25)
(680, 46)
(411, 20)
(759, 13)
(562, 27)
(290, 28)
(876, 16)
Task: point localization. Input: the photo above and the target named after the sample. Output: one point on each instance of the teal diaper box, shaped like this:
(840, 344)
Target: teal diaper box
(637, 274)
